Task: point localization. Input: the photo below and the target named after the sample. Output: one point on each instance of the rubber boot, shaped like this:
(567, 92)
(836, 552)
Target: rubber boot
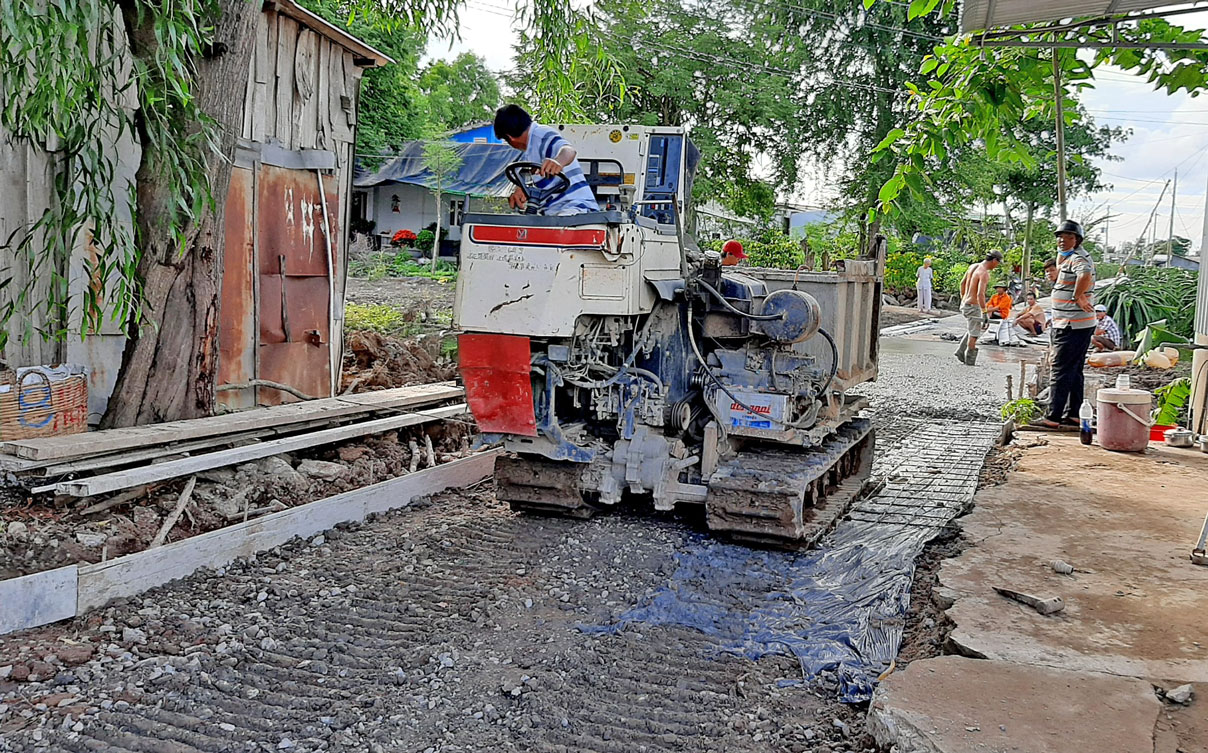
(960, 352)
(971, 357)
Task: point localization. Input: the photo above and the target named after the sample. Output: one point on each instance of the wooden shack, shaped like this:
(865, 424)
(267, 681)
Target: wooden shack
(286, 256)
(283, 284)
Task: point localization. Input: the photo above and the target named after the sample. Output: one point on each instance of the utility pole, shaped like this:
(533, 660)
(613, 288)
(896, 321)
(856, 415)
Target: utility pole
(1059, 92)
(1199, 359)
(1170, 234)
(1107, 224)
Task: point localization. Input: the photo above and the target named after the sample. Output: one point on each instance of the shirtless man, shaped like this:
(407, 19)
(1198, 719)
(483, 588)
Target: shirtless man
(973, 305)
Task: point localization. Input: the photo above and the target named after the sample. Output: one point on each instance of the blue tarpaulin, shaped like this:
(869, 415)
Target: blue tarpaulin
(481, 172)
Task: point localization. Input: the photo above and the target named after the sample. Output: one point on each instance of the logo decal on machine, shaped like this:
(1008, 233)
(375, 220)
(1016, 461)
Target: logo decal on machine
(561, 237)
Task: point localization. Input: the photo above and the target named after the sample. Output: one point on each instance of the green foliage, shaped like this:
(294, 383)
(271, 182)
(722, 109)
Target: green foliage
(402, 265)
(999, 100)
(901, 270)
(1022, 411)
(81, 94)
(1144, 295)
(1172, 402)
(460, 91)
(392, 109)
(424, 239)
(378, 318)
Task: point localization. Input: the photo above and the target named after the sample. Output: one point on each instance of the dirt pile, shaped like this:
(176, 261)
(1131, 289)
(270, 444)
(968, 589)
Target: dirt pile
(373, 361)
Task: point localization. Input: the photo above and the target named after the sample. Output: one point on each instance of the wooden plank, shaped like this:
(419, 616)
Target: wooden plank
(118, 480)
(113, 440)
(267, 103)
(287, 43)
(135, 573)
(38, 599)
(306, 102)
(323, 94)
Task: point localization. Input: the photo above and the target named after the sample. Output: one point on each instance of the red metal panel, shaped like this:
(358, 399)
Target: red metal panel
(498, 388)
(301, 365)
(538, 236)
(303, 308)
(236, 312)
(289, 222)
(294, 323)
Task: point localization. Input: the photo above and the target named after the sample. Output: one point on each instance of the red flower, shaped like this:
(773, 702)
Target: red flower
(403, 235)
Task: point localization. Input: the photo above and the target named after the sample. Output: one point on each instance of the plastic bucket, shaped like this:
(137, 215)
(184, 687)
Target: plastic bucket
(1157, 432)
(1124, 419)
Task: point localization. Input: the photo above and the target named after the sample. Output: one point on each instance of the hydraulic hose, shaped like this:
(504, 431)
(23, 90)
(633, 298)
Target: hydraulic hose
(722, 300)
(834, 359)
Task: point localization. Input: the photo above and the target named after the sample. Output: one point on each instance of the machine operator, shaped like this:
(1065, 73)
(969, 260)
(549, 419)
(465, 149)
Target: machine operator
(545, 146)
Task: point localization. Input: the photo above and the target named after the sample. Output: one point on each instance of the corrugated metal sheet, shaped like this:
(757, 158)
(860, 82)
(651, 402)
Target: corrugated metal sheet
(978, 15)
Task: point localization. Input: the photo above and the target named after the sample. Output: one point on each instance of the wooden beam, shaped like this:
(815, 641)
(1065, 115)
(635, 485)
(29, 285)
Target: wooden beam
(136, 573)
(113, 440)
(118, 480)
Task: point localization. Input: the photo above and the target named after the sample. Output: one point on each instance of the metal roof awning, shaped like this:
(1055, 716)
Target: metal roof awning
(979, 15)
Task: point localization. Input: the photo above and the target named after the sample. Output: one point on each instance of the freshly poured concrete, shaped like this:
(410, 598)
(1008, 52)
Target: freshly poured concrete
(952, 704)
(1135, 605)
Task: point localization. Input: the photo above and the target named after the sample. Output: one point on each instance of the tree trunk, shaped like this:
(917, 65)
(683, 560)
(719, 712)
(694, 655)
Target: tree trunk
(170, 362)
(1027, 250)
(436, 240)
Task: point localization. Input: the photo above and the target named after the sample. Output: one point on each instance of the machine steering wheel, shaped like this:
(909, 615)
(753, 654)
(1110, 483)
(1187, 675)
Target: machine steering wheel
(523, 175)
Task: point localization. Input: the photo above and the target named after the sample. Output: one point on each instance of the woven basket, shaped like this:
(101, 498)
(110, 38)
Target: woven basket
(42, 403)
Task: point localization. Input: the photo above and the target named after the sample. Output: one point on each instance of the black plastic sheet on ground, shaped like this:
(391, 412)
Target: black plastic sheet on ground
(840, 609)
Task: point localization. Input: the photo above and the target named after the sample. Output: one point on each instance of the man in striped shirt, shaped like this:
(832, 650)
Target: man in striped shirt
(545, 146)
(1073, 325)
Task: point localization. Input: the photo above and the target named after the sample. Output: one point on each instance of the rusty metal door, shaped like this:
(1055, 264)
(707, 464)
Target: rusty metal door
(237, 307)
(294, 273)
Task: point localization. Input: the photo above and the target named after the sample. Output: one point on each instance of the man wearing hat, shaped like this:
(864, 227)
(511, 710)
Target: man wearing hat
(1107, 332)
(732, 253)
(1074, 324)
(1000, 303)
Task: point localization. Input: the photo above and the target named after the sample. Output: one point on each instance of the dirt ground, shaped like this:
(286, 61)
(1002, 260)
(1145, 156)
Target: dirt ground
(410, 294)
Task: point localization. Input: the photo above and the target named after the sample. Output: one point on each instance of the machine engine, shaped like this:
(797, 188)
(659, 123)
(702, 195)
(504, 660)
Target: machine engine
(611, 357)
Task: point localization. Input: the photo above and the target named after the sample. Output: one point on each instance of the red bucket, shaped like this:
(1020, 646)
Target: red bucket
(1157, 432)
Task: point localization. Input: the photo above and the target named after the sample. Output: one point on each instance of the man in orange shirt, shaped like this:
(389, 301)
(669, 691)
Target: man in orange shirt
(1000, 303)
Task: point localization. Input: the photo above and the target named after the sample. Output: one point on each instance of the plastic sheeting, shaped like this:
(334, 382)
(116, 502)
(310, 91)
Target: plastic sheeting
(841, 609)
(481, 172)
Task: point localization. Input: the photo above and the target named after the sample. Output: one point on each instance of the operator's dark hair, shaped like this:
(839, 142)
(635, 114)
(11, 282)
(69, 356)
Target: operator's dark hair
(511, 120)
(994, 256)
(1050, 263)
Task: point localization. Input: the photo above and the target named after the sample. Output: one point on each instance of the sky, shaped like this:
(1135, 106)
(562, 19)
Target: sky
(1169, 133)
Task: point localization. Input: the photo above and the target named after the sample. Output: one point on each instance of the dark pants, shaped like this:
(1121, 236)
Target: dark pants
(1065, 381)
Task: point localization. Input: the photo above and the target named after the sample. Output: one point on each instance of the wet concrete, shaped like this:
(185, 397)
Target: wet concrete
(1134, 604)
(951, 704)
